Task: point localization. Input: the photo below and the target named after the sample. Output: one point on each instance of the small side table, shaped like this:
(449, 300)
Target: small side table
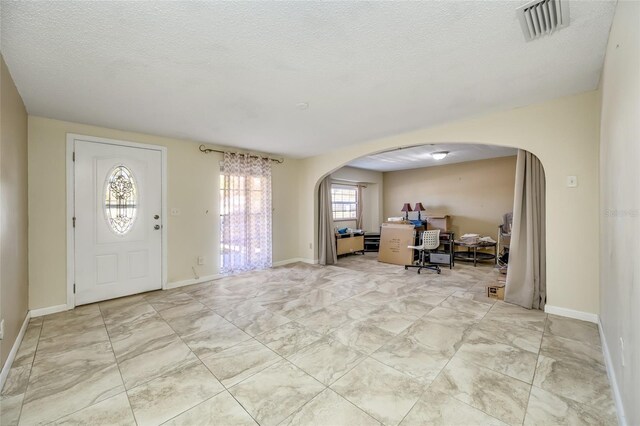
(472, 253)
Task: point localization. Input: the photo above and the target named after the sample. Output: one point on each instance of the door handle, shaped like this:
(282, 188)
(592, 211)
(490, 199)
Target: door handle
(156, 227)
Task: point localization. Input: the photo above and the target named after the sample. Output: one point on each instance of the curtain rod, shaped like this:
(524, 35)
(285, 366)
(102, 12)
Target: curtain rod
(202, 148)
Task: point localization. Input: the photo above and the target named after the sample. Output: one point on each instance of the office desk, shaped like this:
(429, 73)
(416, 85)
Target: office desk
(472, 253)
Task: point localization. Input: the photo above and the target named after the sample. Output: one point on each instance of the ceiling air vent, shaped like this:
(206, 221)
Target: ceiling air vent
(540, 17)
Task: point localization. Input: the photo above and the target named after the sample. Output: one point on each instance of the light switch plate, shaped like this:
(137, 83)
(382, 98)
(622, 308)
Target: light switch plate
(572, 181)
(1, 329)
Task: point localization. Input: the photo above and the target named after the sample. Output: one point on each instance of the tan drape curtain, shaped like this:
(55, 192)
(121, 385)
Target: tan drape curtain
(359, 207)
(326, 233)
(527, 275)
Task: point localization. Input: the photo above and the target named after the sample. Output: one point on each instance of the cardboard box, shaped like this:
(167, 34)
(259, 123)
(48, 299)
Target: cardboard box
(394, 242)
(496, 291)
(438, 222)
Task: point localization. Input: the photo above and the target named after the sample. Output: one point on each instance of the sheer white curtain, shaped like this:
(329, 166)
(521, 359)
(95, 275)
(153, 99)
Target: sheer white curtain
(245, 216)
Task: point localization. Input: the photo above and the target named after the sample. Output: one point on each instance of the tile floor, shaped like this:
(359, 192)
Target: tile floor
(354, 344)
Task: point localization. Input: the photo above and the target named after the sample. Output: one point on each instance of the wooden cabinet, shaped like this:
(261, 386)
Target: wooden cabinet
(348, 243)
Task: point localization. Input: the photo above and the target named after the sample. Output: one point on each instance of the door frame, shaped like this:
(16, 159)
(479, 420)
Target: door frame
(70, 213)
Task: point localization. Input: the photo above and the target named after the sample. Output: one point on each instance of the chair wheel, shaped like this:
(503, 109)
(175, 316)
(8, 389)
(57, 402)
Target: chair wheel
(418, 270)
(406, 268)
(439, 272)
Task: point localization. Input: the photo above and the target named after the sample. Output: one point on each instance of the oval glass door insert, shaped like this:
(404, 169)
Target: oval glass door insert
(121, 199)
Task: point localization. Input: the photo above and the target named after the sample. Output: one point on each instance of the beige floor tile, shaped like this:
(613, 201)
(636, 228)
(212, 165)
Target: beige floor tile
(406, 355)
(10, 407)
(502, 313)
(499, 357)
(213, 340)
(221, 410)
(578, 380)
(27, 349)
(16, 381)
(468, 306)
(326, 360)
(326, 320)
(112, 411)
(186, 324)
(582, 331)
(498, 395)
(439, 409)
(76, 339)
(478, 354)
(64, 383)
(288, 338)
(235, 364)
(259, 322)
(165, 397)
(242, 309)
(520, 337)
(379, 390)
(163, 300)
(147, 359)
(69, 322)
(362, 336)
(329, 408)
(276, 392)
(545, 408)
(563, 348)
(388, 319)
(445, 338)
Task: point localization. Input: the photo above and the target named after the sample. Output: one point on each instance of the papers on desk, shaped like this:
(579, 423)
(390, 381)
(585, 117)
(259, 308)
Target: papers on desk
(470, 238)
(476, 238)
(487, 240)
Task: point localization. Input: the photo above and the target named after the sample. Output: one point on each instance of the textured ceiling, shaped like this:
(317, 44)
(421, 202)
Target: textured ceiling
(420, 156)
(231, 73)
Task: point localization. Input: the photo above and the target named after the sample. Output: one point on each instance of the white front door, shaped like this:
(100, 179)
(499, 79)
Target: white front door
(118, 206)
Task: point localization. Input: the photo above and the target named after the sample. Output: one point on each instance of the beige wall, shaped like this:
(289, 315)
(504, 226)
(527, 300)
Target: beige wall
(620, 204)
(14, 278)
(193, 187)
(563, 134)
(371, 195)
(475, 194)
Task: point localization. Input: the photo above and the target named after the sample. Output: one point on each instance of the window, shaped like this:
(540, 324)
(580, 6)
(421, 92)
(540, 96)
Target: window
(120, 200)
(344, 202)
(245, 213)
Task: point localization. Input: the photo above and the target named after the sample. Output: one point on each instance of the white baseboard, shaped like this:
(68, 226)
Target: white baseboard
(570, 313)
(14, 350)
(176, 284)
(48, 310)
(294, 260)
(617, 397)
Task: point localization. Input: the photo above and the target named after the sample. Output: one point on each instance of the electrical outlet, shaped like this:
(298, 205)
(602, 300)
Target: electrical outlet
(175, 212)
(572, 181)
(200, 260)
(622, 351)
(1, 329)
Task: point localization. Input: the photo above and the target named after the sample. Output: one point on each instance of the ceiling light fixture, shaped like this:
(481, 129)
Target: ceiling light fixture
(439, 155)
(302, 105)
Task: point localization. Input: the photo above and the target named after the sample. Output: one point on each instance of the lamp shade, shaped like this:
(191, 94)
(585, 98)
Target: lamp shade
(406, 208)
(419, 207)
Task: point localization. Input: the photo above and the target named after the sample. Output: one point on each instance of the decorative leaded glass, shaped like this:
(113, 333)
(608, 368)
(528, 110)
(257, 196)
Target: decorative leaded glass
(121, 198)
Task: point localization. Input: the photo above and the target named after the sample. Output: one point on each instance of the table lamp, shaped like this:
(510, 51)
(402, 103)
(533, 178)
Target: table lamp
(419, 208)
(406, 209)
